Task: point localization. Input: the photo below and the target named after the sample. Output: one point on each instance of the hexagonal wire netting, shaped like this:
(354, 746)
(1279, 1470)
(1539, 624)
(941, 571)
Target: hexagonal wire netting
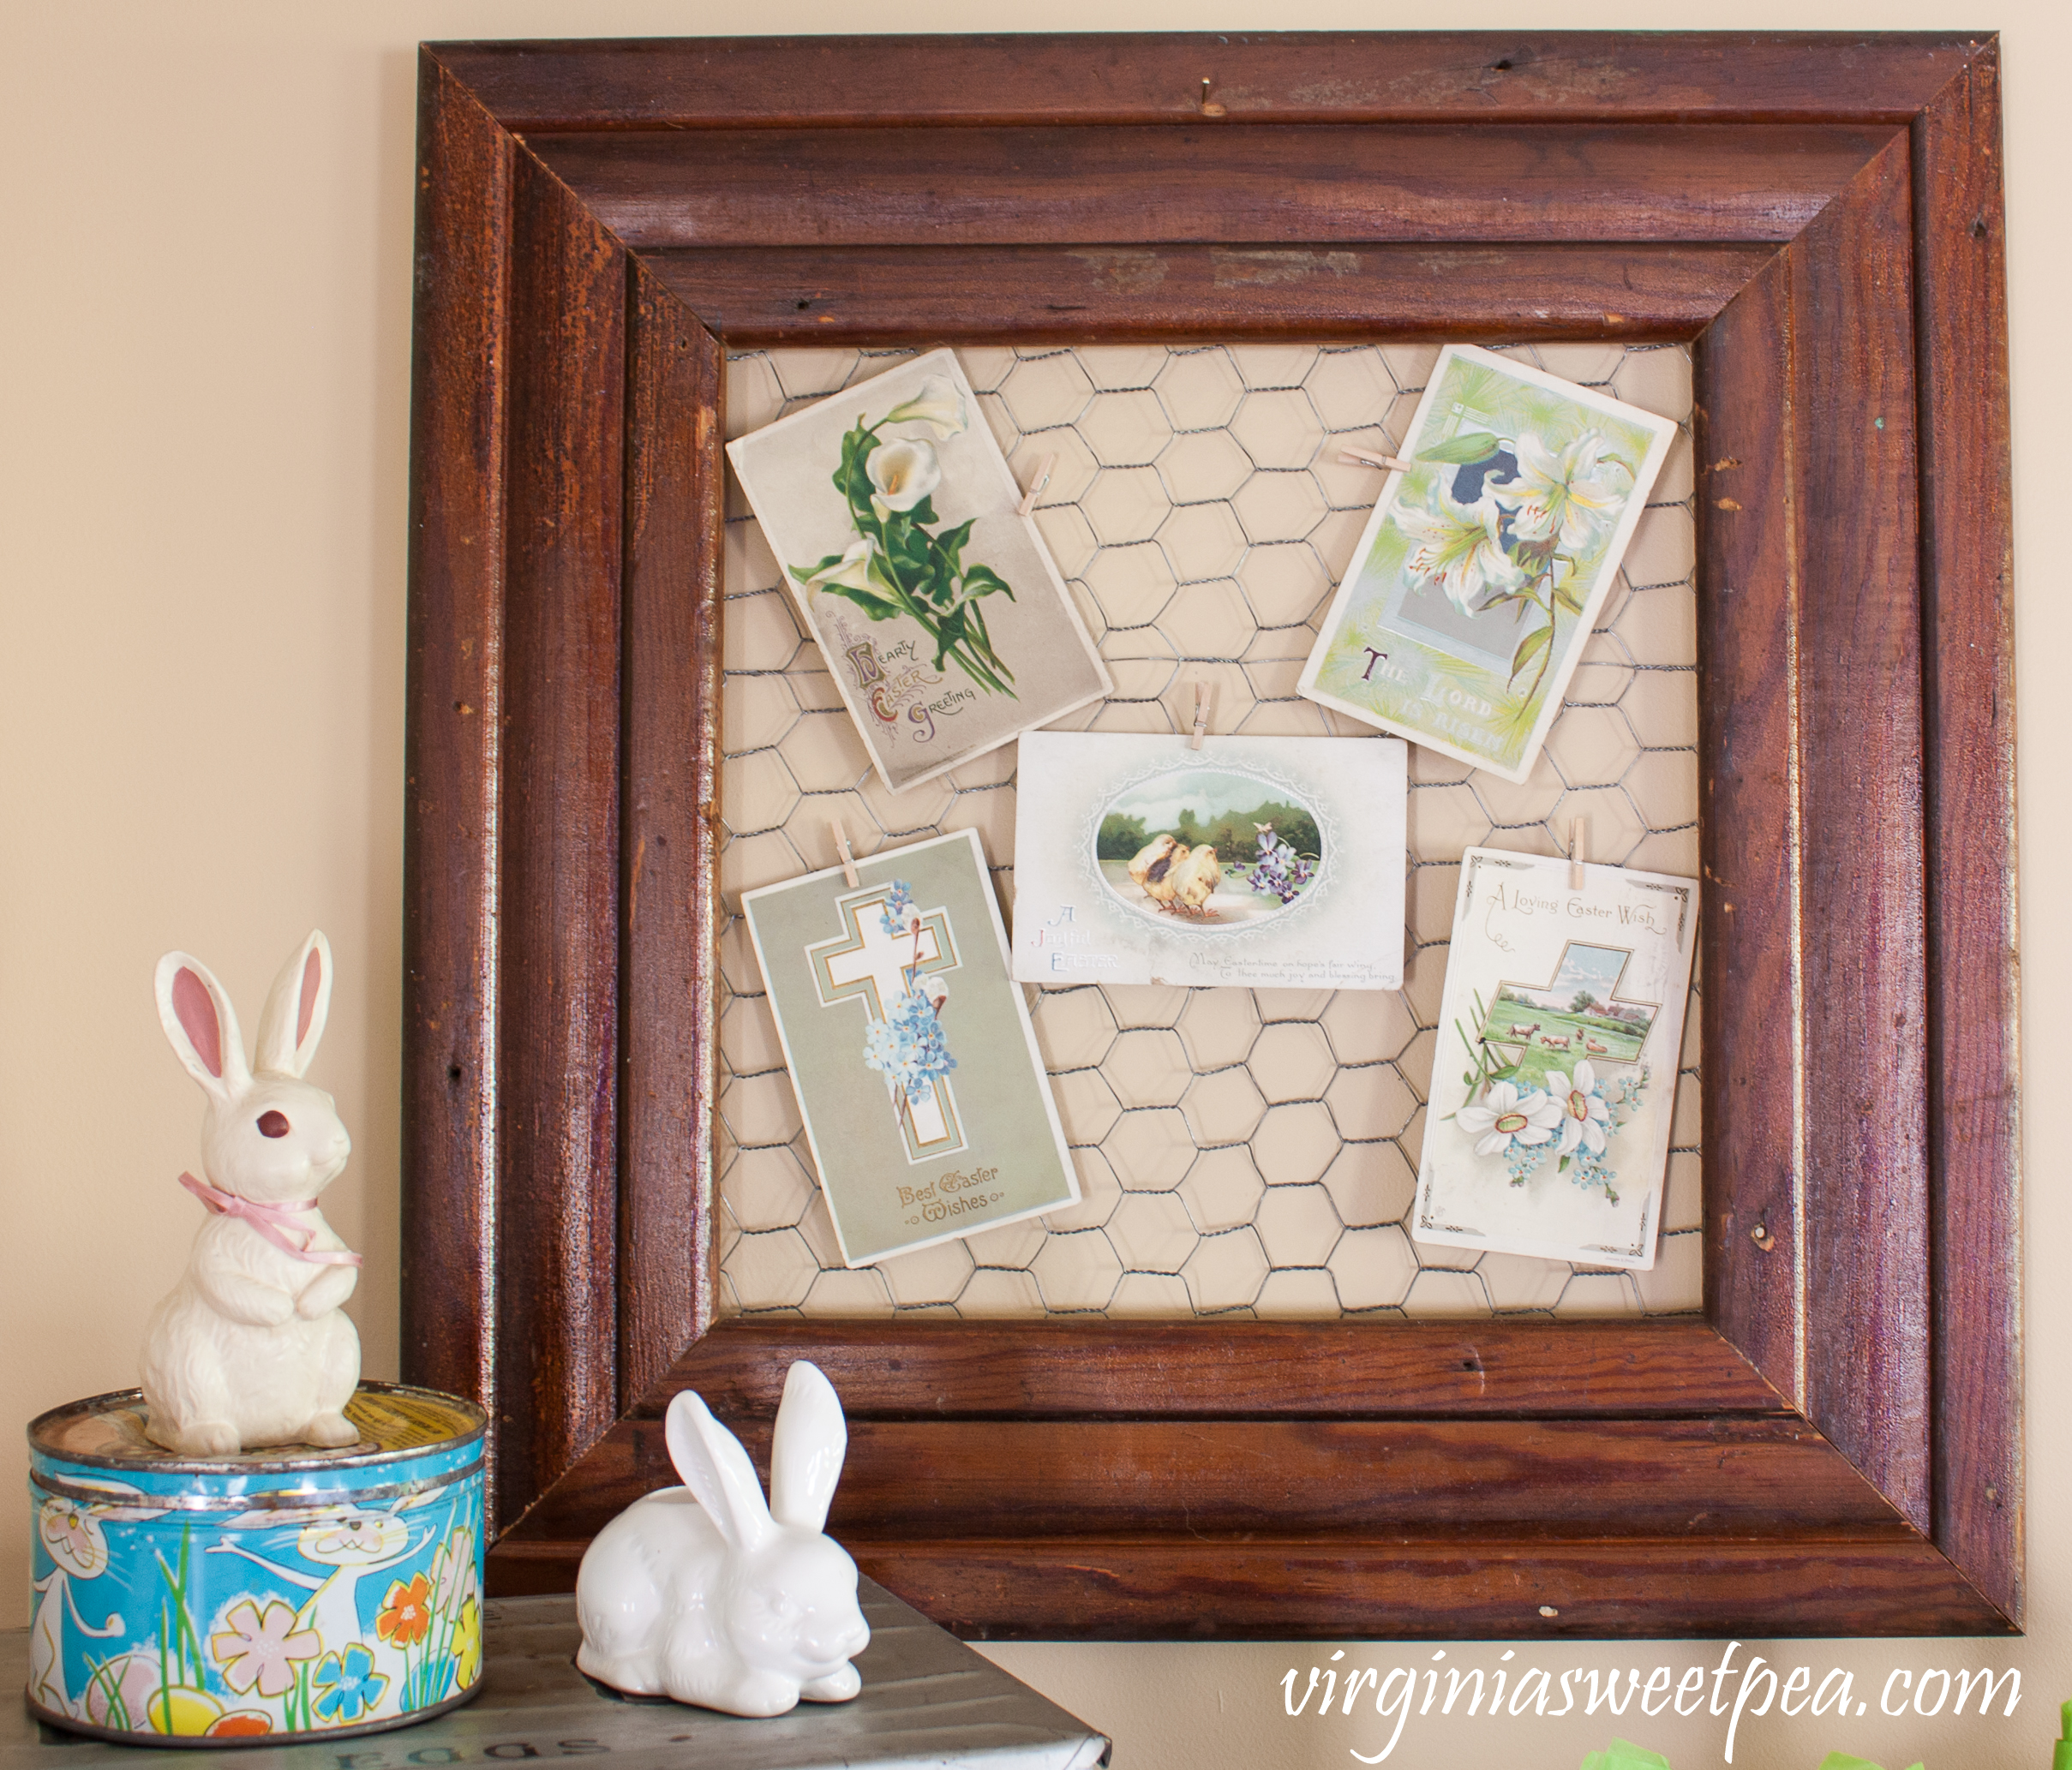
(1240, 1152)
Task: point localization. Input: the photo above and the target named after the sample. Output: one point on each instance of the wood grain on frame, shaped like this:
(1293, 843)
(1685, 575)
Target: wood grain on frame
(1864, 1222)
(557, 1060)
(452, 747)
(1292, 76)
(1835, 1447)
(914, 295)
(1750, 827)
(1974, 1005)
(1126, 185)
(667, 1247)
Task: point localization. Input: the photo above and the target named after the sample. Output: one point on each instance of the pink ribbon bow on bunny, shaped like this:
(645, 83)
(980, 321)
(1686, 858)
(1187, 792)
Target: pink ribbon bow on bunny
(274, 1222)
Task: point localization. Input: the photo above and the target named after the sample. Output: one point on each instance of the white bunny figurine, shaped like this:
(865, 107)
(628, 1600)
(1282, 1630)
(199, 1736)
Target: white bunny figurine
(703, 1594)
(251, 1346)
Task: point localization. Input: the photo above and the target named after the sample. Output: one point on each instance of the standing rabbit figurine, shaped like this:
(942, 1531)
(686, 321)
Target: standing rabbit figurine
(704, 1594)
(251, 1346)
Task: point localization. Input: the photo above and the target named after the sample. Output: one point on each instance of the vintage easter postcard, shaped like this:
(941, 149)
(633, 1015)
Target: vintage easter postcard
(1259, 861)
(896, 521)
(1548, 1129)
(1475, 584)
(918, 1075)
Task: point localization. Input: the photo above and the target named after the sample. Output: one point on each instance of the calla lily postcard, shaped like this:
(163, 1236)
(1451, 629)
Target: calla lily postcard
(897, 520)
(917, 1073)
(1255, 862)
(1477, 582)
(1547, 1127)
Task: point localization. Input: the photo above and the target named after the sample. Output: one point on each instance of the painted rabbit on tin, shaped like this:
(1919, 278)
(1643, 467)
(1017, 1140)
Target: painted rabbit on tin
(703, 1594)
(251, 1346)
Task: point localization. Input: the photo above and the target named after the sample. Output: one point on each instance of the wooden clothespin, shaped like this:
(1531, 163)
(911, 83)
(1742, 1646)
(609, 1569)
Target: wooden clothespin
(1367, 457)
(1578, 851)
(1036, 486)
(1204, 693)
(842, 849)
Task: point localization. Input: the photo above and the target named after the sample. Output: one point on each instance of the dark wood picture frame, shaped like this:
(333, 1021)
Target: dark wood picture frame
(1835, 1447)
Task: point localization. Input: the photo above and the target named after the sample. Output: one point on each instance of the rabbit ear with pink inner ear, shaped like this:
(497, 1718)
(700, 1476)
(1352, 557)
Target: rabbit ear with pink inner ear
(716, 1469)
(806, 1452)
(202, 1027)
(297, 1007)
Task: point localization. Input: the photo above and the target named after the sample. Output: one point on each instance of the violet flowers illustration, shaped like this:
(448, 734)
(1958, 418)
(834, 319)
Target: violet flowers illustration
(908, 1047)
(1277, 870)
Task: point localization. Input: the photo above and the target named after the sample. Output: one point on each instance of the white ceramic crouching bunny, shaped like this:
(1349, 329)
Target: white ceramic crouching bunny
(704, 1594)
(251, 1346)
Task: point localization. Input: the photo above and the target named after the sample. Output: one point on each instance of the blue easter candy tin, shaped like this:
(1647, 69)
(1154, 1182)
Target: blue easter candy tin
(284, 1594)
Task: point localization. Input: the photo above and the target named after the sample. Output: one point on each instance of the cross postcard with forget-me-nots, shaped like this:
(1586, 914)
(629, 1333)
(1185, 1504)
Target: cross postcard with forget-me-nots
(878, 961)
(920, 1089)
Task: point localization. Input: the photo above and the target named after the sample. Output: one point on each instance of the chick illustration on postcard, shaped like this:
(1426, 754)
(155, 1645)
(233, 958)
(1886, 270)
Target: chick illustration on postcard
(918, 1078)
(1554, 1083)
(1256, 862)
(1475, 584)
(895, 519)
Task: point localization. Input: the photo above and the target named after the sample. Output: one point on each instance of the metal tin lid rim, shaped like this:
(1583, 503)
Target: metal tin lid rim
(286, 1502)
(224, 1466)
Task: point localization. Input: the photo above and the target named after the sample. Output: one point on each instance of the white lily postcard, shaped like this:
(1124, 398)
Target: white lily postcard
(917, 1070)
(1258, 861)
(1548, 1128)
(897, 520)
(1478, 578)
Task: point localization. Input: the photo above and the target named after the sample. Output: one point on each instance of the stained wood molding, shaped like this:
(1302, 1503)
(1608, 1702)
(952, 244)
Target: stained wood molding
(1835, 1447)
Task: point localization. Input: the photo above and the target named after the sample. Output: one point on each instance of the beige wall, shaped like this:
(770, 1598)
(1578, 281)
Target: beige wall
(206, 299)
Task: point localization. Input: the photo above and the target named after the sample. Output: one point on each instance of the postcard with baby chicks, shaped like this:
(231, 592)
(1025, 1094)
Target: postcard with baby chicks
(917, 1074)
(1548, 1128)
(1480, 575)
(896, 521)
(1260, 862)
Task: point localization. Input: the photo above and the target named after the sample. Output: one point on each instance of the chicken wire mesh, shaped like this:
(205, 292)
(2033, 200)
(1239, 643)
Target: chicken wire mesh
(1248, 1152)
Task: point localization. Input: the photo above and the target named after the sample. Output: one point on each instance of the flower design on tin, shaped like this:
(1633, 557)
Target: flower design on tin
(406, 1612)
(241, 1723)
(454, 1571)
(120, 1692)
(468, 1643)
(260, 1648)
(347, 1685)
